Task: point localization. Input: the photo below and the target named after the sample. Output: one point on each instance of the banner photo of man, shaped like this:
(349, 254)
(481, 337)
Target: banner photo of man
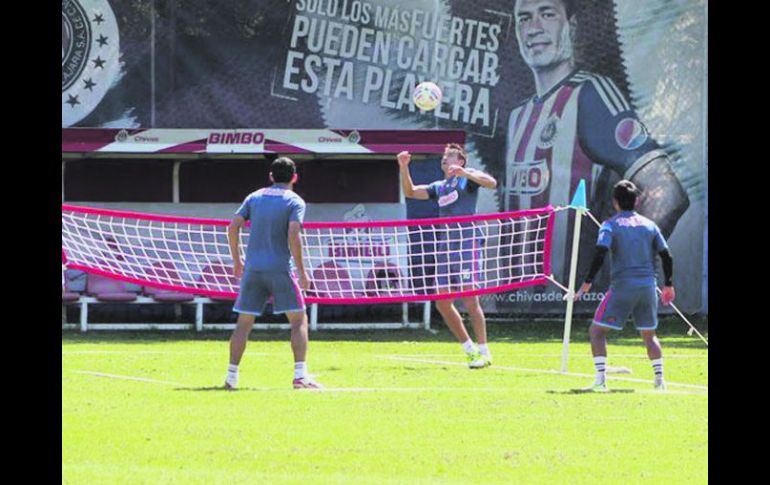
(549, 92)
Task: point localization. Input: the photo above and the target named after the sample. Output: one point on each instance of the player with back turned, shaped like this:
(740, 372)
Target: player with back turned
(275, 247)
(633, 240)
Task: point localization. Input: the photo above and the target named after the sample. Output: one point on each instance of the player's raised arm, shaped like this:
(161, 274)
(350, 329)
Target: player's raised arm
(483, 179)
(412, 191)
(234, 238)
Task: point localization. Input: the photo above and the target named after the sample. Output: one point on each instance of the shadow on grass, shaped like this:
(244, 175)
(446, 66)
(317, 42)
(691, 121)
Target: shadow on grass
(589, 391)
(242, 389)
(672, 332)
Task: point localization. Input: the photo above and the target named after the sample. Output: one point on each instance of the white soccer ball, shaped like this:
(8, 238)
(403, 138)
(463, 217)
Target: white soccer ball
(427, 96)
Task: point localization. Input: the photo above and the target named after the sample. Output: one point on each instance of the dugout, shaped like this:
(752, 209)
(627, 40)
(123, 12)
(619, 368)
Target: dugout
(344, 175)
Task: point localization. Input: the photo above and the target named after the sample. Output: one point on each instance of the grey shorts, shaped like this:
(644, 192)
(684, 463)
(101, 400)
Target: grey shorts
(257, 287)
(618, 304)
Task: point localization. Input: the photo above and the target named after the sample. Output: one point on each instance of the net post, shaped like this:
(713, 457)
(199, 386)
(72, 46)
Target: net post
(405, 314)
(198, 316)
(426, 315)
(314, 317)
(83, 316)
(579, 204)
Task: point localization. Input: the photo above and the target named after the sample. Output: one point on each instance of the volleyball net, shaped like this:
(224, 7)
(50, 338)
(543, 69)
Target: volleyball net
(348, 262)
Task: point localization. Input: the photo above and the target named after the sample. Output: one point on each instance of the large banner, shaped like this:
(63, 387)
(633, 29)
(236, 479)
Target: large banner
(549, 92)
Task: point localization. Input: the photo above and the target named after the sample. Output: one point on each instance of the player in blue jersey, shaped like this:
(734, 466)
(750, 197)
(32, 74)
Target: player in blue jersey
(633, 240)
(458, 251)
(276, 214)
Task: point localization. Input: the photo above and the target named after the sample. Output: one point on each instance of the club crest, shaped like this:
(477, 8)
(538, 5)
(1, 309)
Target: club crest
(89, 56)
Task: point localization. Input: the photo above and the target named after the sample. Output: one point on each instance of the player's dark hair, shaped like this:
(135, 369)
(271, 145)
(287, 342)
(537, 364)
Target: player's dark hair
(625, 192)
(283, 169)
(459, 149)
(570, 6)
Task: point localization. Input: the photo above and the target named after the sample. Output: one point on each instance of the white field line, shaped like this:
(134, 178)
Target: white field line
(445, 389)
(160, 352)
(541, 371)
(453, 354)
(525, 354)
(355, 389)
(128, 378)
(412, 389)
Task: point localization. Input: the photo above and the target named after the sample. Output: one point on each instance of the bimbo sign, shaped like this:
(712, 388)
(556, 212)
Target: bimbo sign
(233, 141)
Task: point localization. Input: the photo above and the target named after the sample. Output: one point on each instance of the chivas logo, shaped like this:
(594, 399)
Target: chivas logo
(89, 56)
(354, 137)
(548, 133)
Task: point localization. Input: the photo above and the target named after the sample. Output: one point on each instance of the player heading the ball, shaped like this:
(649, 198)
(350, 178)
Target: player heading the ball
(458, 251)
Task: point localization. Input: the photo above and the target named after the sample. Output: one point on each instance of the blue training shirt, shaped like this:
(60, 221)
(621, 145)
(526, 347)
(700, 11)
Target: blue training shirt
(634, 242)
(456, 196)
(270, 210)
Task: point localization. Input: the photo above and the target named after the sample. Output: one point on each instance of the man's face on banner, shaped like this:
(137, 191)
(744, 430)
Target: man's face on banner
(544, 32)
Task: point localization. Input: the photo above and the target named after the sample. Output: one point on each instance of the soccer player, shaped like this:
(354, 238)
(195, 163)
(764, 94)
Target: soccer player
(578, 125)
(458, 254)
(276, 214)
(633, 240)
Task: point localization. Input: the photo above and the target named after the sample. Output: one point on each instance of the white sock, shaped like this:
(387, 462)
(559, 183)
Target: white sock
(232, 373)
(484, 350)
(300, 370)
(657, 367)
(468, 346)
(601, 368)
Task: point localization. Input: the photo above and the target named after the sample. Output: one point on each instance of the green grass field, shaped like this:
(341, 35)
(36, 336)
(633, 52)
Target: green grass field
(401, 408)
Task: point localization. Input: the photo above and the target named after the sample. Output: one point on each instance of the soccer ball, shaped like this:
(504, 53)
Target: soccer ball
(427, 96)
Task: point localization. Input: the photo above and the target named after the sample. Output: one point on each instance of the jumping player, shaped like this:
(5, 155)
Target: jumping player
(458, 253)
(276, 214)
(633, 241)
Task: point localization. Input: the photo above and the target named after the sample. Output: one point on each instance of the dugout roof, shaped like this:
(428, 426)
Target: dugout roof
(252, 142)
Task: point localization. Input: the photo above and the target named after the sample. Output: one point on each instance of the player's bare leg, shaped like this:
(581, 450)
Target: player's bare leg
(454, 321)
(655, 353)
(479, 323)
(238, 341)
(299, 339)
(598, 337)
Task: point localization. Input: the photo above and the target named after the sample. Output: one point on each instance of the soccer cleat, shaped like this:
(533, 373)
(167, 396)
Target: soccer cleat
(660, 385)
(487, 359)
(231, 381)
(598, 387)
(476, 360)
(306, 383)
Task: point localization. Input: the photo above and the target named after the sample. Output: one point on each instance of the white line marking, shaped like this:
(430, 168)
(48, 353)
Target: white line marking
(369, 389)
(541, 371)
(416, 389)
(160, 352)
(525, 354)
(128, 378)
